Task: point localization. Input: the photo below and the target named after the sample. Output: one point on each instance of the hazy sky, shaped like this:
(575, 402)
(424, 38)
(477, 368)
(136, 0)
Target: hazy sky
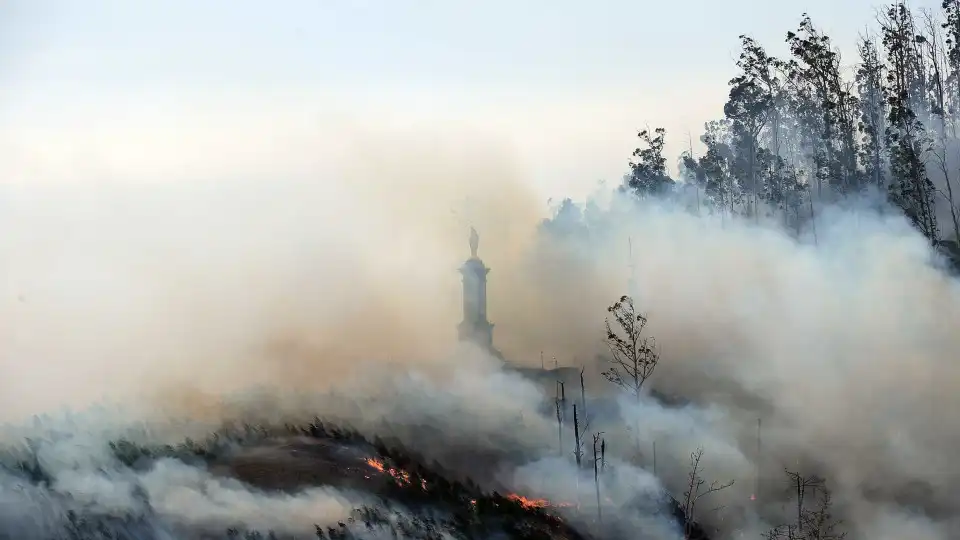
(183, 85)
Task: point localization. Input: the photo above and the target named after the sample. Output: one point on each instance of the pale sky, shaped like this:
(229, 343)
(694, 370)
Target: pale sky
(114, 85)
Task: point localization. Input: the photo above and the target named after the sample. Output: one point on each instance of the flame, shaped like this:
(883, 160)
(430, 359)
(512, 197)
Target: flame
(400, 475)
(530, 504)
(403, 477)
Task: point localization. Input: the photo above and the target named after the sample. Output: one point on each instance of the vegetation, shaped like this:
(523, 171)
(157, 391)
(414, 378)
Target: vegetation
(817, 522)
(633, 358)
(422, 501)
(799, 133)
(697, 488)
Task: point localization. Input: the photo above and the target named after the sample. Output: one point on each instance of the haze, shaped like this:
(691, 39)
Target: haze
(177, 90)
(198, 200)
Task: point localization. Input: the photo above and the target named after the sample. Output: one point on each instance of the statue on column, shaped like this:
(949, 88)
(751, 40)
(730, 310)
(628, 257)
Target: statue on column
(474, 242)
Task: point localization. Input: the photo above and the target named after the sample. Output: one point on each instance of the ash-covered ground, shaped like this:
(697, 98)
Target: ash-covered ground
(310, 481)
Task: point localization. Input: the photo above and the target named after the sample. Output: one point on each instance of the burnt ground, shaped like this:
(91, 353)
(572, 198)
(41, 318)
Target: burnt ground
(318, 457)
(301, 462)
(344, 461)
(410, 497)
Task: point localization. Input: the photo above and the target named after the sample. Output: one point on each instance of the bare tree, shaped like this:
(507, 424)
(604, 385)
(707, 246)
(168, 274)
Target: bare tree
(817, 523)
(581, 424)
(597, 465)
(633, 358)
(578, 444)
(583, 396)
(559, 428)
(697, 489)
(800, 484)
(820, 523)
(561, 402)
(603, 454)
(931, 42)
(654, 457)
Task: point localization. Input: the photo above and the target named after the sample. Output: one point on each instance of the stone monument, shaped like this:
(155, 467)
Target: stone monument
(475, 327)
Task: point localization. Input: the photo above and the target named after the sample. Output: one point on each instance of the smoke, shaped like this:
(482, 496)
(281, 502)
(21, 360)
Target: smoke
(118, 290)
(84, 478)
(80, 485)
(843, 345)
(184, 296)
(631, 498)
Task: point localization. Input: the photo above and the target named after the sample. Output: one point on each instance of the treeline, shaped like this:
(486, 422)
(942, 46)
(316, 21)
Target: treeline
(805, 131)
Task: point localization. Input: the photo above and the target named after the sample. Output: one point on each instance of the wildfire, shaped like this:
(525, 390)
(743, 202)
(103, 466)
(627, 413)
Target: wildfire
(530, 504)
(401, 476)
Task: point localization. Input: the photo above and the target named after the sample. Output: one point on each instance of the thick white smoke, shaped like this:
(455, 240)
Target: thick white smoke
(844, 345)
(86, 479)
(178, 296)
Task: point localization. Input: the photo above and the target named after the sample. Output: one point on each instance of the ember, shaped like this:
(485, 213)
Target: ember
(401, 476)
(536, 503)
(528, 503)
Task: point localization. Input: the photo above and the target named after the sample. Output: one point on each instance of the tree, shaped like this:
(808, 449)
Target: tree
(817, 523)
(580, 428)
(561, 402)
(932, 44)
(598, 444)
(697, 489)
(815, 71)
(910, 188)
(801, 484)
(713, 170)
(873, 112)
(648, 171)
(750, 106)
(633, 358)
(951, 12)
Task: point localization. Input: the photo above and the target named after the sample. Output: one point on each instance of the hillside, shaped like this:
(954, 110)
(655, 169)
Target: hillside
(405, 497)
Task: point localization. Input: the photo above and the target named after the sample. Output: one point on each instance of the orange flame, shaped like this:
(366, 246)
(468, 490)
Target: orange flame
(399, 475)
(403, 477)
(530, 504)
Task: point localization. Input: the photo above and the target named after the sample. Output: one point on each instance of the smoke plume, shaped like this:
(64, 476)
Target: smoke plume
(201, 298)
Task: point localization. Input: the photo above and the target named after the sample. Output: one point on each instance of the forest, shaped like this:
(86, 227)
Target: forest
(798, 134)
(764, 378)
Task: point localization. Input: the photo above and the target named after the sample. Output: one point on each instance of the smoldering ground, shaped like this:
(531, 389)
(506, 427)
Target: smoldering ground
(463, 421)
(210, 300)
(176, 296)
